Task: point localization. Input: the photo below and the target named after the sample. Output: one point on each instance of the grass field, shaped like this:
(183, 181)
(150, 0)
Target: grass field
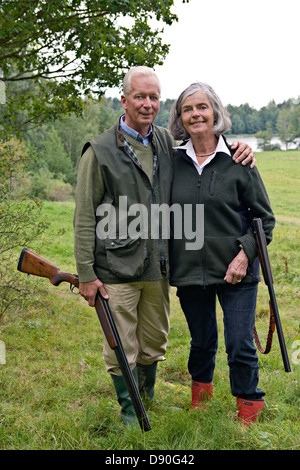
(55, 393)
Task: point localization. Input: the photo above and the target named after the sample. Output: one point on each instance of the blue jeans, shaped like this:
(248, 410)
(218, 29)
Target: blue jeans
(238, 304)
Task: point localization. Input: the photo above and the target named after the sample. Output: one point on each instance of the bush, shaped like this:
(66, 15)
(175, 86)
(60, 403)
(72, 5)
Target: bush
(43, 185)
(20, 220)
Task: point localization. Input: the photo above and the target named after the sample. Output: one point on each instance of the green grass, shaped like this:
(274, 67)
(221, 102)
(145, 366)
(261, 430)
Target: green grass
(55, 392)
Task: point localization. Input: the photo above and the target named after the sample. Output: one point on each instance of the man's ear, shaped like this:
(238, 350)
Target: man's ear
(123, 102)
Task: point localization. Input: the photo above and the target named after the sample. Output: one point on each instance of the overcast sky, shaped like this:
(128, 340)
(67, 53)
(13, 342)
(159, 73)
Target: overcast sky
(247, 50)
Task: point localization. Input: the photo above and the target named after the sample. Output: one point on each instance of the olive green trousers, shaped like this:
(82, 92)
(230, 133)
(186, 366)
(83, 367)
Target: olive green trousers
(141, 314)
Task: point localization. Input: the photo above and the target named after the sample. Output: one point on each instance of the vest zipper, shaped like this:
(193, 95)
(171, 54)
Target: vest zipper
(163, 262)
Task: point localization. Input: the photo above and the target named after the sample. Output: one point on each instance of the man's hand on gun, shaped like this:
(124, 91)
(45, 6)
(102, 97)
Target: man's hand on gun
(89, 290)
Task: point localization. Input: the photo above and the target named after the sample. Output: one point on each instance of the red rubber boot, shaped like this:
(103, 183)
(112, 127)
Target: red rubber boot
(201, 393)
(249, 411)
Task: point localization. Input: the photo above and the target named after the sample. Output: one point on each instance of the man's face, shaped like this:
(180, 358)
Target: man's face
(142, 103)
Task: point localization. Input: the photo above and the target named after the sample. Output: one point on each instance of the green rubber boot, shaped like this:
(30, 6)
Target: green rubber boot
(146, 379)
(128, 415)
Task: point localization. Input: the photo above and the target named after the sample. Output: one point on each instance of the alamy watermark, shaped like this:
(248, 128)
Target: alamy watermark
(2, 92)
(296, 353)
(135, 221)
(2, 353)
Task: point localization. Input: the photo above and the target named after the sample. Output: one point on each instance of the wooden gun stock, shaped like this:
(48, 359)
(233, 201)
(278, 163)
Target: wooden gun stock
(31, 263)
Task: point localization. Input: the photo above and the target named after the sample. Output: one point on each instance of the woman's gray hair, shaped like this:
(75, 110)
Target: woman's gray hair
(138, 70)
(222, 119)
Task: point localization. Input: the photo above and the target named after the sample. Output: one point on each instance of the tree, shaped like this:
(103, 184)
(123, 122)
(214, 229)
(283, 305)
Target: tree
(162, 118)
(264, 138)
(268, 114)
(238, 125)
(295, 120)
(284, 127)
(63, 49)
(57, 147)
(57, 160)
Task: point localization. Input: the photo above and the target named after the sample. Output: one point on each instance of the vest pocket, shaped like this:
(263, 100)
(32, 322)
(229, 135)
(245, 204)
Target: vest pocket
(127, 258)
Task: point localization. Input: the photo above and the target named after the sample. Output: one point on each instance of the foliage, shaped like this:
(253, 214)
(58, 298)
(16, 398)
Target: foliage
(264, 139)
(288, 124)
(284, 127)
(247, 120)
(43, 185)
(162, 118)
(244, 118)
(64, 49)
(56, 148)
(55, 156)
(19, 218)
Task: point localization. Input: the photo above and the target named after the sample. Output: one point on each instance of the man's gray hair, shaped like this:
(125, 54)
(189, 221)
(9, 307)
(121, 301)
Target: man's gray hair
(138, 70)
(222, 119)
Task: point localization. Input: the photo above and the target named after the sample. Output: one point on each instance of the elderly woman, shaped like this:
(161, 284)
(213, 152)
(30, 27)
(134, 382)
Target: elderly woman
(226, 266)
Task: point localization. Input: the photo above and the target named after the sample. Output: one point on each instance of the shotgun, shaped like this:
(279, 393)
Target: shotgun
(268, 278)
(31, 263)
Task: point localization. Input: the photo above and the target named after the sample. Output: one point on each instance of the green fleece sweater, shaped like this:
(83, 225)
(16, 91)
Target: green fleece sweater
(227, 191)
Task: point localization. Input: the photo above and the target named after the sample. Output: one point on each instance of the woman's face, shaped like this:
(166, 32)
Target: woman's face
(197, 114)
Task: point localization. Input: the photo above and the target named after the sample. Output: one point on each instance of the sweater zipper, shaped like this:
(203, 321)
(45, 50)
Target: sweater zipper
(202, 251)
(210, 189)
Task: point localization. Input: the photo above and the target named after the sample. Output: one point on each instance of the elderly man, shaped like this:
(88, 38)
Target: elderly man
(127, 165)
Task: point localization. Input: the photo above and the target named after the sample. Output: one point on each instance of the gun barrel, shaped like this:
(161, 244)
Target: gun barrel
(284, 354)
(267, 272)
(102, 305)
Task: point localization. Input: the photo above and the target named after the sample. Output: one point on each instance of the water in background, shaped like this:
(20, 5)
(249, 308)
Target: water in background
(252, 141)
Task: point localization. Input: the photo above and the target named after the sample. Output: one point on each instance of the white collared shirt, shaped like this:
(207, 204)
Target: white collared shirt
(190, 151)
